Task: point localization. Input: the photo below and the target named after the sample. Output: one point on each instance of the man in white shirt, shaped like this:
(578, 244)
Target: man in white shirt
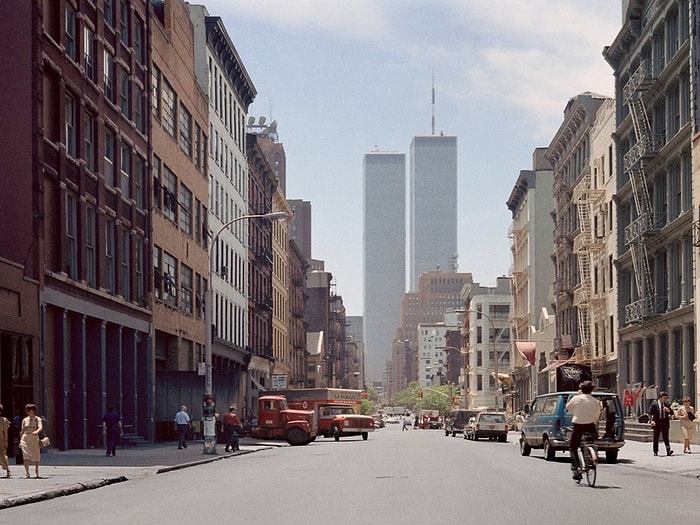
(586, 413)
(182, 420)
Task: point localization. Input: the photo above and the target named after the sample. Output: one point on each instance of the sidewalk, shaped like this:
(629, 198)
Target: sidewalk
(67, 472)
(640, 455)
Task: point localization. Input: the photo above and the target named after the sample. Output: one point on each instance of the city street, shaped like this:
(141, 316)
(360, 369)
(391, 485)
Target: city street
(394, 477)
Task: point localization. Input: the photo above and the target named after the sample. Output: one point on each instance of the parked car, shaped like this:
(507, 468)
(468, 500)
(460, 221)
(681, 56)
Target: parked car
(548, 419)
(491, 425)
(457, 420)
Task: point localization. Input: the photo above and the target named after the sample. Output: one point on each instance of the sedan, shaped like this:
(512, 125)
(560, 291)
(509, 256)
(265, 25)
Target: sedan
(490, 425)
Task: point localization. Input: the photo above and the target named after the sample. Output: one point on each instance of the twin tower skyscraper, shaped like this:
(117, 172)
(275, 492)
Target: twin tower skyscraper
(431, 224)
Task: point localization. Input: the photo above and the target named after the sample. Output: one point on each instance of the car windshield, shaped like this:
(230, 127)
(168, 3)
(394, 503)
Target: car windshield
(492, 418)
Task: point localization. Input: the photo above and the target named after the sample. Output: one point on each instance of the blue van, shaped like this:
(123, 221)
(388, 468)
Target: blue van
(547, 420)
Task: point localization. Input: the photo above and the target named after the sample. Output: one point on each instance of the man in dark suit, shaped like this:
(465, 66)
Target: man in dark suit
(660, 414)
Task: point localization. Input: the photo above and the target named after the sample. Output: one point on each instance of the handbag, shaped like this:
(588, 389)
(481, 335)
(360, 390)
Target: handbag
(691, 416)
(644, 418)
(44, 442)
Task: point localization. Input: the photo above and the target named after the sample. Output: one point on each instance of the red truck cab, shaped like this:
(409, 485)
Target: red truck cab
(336, 410)
(277, 421)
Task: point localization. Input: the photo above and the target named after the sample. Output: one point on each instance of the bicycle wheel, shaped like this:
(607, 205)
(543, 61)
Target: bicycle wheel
(579, 471)
(589, 455)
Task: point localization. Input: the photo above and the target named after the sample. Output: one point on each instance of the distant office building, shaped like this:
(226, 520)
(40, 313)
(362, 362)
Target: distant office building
(298, 266)
(384, 253)
(487, 325)
(438, 293)
(354, 326)
(300, 230)
(272, 148)
(433, 205)
(316, 316)
(354, 334)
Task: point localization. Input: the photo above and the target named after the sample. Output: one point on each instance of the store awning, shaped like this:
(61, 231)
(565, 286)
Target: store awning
(556, 364)
(257, 384)
(527, 349)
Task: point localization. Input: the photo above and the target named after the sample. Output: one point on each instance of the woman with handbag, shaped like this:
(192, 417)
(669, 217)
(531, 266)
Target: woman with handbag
(29, 439)
(686, 414)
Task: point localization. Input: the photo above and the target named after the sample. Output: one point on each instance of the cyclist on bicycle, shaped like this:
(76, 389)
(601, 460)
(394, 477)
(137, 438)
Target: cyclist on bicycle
(586, 411)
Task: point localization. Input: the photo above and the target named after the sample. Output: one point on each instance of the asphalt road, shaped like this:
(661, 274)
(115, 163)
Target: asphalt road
(394, 477)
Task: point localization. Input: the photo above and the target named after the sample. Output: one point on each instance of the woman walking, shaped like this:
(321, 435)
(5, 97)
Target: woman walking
(29, 439)
(4, 439)
(686, 414)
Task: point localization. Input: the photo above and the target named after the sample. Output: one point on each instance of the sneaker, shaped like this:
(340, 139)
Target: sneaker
(577, 476)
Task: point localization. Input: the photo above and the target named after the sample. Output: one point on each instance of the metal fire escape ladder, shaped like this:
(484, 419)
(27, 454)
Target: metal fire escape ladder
(582, 248)
(637, 231)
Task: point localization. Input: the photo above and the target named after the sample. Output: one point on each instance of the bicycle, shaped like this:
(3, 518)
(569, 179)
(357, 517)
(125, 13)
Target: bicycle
(587, 458)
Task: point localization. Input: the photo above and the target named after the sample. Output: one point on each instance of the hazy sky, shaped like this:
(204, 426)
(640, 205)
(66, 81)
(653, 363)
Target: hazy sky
(343, 78)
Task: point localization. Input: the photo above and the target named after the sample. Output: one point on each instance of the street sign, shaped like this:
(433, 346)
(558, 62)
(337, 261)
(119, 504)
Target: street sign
(279, 382)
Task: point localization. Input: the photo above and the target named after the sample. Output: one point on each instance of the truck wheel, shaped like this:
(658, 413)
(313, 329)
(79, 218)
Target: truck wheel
(365, 435)
(524, 447)
(296, 436)
(549, 451)
(611, 456)
(336, 433)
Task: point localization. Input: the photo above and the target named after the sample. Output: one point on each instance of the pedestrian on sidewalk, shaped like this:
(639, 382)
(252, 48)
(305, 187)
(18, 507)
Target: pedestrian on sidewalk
(231, 425)
(182, 420)
(111, 428)
(4, 440)
(29, 439)
(686, 414)
(660, 414)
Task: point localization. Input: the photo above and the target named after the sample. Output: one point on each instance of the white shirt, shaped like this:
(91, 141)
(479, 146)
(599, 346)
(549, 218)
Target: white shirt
(585, 408)
(182, 418)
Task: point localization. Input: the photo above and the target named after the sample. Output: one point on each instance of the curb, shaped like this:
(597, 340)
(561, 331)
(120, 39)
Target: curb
(16, 501)
(171, 468)
(57, 493)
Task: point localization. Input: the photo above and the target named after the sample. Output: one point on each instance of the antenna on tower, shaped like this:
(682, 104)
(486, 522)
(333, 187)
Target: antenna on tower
(433, 101)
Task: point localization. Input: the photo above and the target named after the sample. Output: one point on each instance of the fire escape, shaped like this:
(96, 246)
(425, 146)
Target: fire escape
(521, 318)
(588, 246)
(644, 226)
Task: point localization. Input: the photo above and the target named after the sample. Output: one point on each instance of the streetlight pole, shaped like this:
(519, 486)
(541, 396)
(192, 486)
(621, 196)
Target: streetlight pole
(342, 381)
(209, 419)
